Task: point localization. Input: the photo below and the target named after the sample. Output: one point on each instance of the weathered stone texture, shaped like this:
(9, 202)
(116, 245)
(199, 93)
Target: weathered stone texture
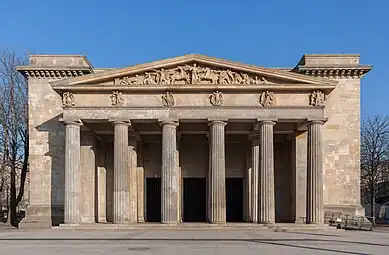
(47, 153)
(88, 170)
(341, 145)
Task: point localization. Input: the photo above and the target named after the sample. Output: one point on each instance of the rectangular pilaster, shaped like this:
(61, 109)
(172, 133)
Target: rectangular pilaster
(255, 162)
(88, 169)
(101, 183)
(140, 184)
(132, 168)
(218, 172)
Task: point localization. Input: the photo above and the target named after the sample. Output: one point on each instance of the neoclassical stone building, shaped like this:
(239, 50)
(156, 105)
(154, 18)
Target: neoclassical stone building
(193, 139)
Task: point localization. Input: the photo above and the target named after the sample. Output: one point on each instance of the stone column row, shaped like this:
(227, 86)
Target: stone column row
(262, 174)
(124, 176)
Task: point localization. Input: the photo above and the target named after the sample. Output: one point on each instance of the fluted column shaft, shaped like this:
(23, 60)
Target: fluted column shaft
(266, 204)
(170, 173)
(120, 174)
(73, 175)
(255, 150)
(218, 172)
(315, 204)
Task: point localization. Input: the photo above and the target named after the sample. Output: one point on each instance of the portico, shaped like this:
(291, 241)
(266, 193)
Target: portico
(189, 139)
(256, 138)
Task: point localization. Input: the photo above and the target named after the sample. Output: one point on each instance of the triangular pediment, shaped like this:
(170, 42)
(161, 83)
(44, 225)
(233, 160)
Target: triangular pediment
(190, 70)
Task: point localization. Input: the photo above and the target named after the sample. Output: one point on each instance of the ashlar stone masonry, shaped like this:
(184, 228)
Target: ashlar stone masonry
(191, 139)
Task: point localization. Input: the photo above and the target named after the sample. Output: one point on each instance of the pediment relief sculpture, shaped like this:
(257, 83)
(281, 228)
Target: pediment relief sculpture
(216, 98)
(317, 98)
(116, 98)
(168, 100)
(68, 99)
(192, 74)
(267, 98)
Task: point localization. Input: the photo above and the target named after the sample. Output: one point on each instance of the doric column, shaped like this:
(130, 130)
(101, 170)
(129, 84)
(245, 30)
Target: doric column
(266, 204)
(120, 173)
(255, 162)
(170, 174)
(132, 168)
(218, 172)
(315, 205)
(73, 175)
(88, 169)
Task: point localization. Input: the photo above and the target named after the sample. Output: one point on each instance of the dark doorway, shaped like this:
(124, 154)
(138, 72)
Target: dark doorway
(234, 199)
(153, 199)
(195, 200)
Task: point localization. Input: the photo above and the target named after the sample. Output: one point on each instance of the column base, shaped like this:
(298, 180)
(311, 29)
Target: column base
(42, 216)
(88, 220)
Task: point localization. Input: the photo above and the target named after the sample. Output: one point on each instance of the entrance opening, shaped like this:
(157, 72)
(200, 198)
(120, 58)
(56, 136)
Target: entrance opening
(234, 199)
(195, 200)
(153, 199)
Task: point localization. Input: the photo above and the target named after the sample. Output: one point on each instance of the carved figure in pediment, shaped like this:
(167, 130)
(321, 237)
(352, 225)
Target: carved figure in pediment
(260, 80)
(216, 98)
(168, 99)
(162, 77)
(208, 75)
(116, 98)
(192, 74)
(267, 98)
(151, 78)
(68, 99)
(225, 76)
(180, 74)
(195, 71)
(317, 98)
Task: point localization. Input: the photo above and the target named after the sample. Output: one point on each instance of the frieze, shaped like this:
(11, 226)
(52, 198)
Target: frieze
(116, 98)
(168, 100)
(68, 99)
(192, 74)
(317, 98)
(267, 98)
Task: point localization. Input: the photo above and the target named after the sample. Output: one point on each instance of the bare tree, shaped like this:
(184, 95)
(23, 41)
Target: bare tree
(13, 128)
(374, 159)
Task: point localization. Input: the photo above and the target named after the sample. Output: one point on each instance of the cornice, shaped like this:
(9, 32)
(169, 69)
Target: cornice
(52, 72)
(197, 87)
(335, 72)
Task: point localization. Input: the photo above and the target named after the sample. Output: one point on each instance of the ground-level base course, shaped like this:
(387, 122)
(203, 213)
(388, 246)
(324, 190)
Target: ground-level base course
(192, 241)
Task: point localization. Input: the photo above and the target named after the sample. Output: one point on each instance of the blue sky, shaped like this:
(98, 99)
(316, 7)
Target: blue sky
(275, 33)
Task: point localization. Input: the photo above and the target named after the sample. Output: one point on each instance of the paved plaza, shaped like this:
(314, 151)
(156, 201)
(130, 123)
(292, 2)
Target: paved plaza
(193, 242)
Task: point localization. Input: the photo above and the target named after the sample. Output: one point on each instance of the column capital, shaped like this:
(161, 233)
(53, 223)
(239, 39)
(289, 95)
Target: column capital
(71, 122)
(217, 122)
(120, 122)
(169, 123)
(315, 122)
(261, 122)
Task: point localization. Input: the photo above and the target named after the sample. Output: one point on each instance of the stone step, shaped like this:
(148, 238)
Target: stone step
(146, 226)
